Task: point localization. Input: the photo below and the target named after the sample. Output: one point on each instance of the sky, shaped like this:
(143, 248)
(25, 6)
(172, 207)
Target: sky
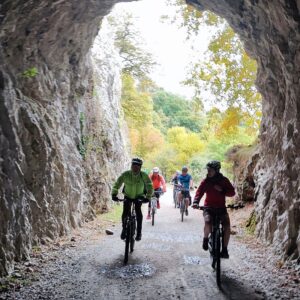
(167, 42)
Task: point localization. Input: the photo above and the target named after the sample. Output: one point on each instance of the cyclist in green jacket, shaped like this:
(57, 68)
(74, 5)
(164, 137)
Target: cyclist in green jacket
(137, 185)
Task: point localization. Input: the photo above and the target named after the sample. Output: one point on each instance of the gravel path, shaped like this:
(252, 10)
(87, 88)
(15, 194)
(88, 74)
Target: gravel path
(167, 264)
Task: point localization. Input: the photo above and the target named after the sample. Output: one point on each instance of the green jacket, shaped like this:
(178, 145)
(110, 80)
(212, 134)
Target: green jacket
(134, 185)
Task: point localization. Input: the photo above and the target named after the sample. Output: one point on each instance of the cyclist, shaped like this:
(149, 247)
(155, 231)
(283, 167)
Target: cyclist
(159, 185)
(174, 181)
(216, 187)
(137, 185)
(186, 182)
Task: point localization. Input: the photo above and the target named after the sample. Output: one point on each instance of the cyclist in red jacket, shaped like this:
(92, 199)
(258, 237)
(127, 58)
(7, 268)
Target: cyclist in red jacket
(159, 186)
(216, 187)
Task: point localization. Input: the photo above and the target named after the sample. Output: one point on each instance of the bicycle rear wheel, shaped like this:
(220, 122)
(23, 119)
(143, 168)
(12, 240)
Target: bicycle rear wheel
(127, 242)
(153, 214)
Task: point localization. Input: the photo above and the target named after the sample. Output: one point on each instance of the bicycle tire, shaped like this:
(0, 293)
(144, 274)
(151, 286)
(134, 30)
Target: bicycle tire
(132, 236)
(127, 242)
(218, 257)
(211, 245)
(153, 213)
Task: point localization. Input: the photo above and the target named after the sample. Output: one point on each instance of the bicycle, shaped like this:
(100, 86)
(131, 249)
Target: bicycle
(153, 204)
(183, 203)
(175, 194)
(130, 228)
(215, 240)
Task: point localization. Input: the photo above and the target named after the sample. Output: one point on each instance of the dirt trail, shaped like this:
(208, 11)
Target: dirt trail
(168, 263)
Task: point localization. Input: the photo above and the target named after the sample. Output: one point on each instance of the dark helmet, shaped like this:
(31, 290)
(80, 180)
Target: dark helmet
(137, 161)
(214, 164)
(184, 169)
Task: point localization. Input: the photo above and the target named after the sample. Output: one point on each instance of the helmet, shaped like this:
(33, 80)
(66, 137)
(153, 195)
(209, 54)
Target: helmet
(184, 169)
(178, 172)
(155, 170)
(137, 161)
(214, 164)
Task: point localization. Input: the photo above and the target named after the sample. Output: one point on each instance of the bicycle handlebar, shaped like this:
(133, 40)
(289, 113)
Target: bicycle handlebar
(201, 207)
(141, 199)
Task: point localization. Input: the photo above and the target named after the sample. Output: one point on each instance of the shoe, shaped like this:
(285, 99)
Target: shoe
(158, 205)
(123, 234)
(186, 212)
(205, 244)
(138, 237)
(224, 253)
(148, 217)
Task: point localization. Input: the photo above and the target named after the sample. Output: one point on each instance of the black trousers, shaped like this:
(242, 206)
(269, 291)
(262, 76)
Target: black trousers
(138, 211)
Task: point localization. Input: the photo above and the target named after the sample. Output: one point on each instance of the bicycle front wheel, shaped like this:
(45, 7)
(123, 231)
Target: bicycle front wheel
(218, 257)
(132, 235)
(127, 242)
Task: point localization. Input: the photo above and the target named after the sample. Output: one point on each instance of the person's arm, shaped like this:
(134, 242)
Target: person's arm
(149, 187)
(200, 192)
(229, 189)
(163, 183)
(117, 185)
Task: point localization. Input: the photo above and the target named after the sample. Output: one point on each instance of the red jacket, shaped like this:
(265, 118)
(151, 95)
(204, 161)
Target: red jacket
(158, 181)
(214, 198)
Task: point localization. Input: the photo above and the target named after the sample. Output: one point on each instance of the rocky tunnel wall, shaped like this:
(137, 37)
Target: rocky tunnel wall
(270, 31)
(61, 141)
(50, 119)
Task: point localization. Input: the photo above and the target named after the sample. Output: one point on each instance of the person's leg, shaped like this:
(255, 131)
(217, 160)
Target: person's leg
(226, 227)
(126, 211)
(139, 220)
(180, 197)
(186, 202)
(207, 229)
(157, 195)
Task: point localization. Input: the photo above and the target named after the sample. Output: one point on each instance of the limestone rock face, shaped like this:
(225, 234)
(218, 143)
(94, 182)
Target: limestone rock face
(271, 35)
(60, 141)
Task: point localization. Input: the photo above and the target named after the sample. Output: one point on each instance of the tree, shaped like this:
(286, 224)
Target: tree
(178, 111)
(137, 61)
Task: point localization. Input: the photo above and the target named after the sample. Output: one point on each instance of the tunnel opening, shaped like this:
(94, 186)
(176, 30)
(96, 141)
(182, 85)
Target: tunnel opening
(46, 80)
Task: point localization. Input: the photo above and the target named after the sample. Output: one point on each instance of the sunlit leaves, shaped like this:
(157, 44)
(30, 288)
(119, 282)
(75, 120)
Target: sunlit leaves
(137, 105)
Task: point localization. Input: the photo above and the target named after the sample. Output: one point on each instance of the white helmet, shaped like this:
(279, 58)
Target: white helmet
(155, 170)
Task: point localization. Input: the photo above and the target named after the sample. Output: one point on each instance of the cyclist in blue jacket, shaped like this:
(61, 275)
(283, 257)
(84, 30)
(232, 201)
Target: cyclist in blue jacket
(186, 182)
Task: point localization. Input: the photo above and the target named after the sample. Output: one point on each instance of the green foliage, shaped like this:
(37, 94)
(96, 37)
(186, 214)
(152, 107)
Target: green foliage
(137, 61)
(170, 131)
(114, 214)
(137, 105)
(178, 111)
(30, 73)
